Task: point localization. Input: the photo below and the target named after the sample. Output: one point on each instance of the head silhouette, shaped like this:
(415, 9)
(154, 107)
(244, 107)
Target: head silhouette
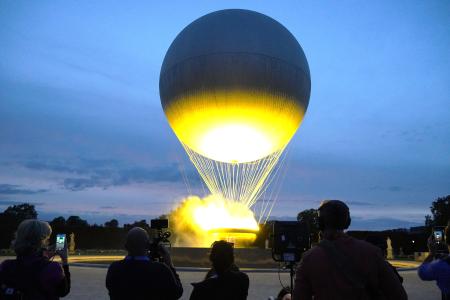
(222, 256)
(137, 241)
(334, 215)
(31, 236)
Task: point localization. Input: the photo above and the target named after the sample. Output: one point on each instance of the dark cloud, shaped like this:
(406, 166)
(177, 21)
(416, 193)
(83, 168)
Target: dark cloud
(107, 207)
(12, 189)
(106, 173)
(79, 184)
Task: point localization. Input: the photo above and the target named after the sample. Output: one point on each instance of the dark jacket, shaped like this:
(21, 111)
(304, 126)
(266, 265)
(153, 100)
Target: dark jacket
(229, 285)
(35, 277)
(131, 279)
(318, 276)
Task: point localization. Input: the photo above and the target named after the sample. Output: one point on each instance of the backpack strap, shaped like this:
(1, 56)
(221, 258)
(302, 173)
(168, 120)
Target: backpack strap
(343, 264)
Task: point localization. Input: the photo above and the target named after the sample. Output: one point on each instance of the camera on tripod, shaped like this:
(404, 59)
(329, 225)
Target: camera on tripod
(161, 238)
(289, 240)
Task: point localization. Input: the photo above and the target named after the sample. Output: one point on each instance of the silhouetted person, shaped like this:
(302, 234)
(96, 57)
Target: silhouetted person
(437, 267)
(341, 267)
(224, 281)
(137, 277)
(381, 243)
(32, 276)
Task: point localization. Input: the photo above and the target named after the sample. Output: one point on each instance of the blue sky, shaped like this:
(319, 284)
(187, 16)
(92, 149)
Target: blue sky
(82, 130)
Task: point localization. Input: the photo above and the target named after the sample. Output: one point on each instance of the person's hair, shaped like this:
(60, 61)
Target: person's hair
(334, 214)
(31, 236)
(221, 256)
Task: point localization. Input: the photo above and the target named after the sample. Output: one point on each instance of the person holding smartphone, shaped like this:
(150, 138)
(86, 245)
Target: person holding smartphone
(32, 275)
(436, 265)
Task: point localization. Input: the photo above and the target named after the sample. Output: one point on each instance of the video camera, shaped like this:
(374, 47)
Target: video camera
(161, 238)
(289, 240)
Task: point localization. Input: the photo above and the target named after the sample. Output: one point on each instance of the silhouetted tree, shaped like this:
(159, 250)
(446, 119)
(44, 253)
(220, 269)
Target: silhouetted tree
(440, 210)
(112, 224)
(310, 217)
(11, 218)
(76, 222)
(58, 222)
(21, 212)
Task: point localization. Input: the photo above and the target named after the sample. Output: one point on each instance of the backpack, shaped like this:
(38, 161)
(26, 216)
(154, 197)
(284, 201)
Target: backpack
(21, 282)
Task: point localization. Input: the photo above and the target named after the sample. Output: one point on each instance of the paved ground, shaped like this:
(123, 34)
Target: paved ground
(109, 258)
(88, 283)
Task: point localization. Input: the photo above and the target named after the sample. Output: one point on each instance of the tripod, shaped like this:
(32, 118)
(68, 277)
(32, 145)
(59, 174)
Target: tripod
(291, 266)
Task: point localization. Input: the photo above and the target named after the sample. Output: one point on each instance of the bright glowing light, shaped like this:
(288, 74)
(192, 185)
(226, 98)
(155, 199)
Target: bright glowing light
(235, 143)
(199, 222)
(223, 214)
(234, 126)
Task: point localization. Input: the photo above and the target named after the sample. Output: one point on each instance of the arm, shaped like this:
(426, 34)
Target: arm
(245, 286)
(426, 270)
(170, 282)
(63, 288)
(195, 295)
(390, 284)
(110, 281)
(302, 285)
(173, 280)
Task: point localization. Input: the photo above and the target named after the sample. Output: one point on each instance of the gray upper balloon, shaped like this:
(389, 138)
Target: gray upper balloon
(235, 49)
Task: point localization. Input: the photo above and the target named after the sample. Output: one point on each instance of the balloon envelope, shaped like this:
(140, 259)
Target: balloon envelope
(235, 85)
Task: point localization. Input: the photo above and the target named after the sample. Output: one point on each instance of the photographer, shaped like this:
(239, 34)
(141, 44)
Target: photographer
(341, 267)
(32, 275)
(137, 277)
(437, 266)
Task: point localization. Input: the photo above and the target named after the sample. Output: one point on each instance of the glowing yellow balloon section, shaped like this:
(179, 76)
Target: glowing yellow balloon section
(234, 126)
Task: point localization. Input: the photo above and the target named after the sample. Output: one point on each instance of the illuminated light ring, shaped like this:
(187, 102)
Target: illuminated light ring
(235, 85)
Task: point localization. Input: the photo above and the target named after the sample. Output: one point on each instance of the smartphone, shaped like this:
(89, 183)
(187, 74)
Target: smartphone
(438, 235)
(60, 241)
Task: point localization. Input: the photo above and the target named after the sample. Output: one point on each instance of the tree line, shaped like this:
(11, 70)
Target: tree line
(112, 236)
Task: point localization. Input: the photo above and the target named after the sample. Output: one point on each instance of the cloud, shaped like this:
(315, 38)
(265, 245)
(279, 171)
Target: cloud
(359, 223)
(12, 189)
(79, 184)
(12, 202)
(392, 188)
(91, 173)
